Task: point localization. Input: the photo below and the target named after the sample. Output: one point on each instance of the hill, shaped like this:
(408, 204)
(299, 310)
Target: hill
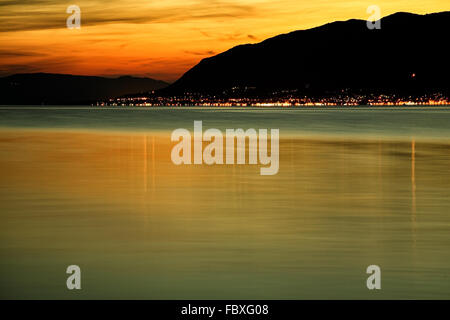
(51, 89)
(406, 55)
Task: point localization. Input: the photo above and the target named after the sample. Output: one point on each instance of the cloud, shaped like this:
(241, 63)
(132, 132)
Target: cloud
(21, 53)
(8, 69)
(200, 53)
(51, 14)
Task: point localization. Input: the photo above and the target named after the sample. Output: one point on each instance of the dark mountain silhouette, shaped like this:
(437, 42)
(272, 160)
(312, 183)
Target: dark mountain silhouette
(408, 54)
(46, 88)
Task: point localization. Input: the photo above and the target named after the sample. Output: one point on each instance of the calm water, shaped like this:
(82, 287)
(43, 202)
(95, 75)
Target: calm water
(96, 187)
(376, 122)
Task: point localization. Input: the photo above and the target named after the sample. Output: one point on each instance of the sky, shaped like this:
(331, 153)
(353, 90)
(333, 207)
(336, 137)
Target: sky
(161, 39)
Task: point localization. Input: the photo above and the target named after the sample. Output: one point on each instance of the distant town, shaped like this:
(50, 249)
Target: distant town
(278, 99)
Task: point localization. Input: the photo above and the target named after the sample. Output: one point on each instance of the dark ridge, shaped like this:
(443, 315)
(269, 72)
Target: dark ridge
(53, 89)
(406, 55)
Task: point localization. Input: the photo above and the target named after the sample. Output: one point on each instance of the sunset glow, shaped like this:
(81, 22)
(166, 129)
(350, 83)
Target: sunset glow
(159, 38)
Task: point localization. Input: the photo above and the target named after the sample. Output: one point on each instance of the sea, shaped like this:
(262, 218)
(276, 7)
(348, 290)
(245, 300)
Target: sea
(95, 187)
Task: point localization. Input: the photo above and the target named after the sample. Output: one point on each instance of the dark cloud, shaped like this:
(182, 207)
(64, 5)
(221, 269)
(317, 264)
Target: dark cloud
(40, 63)
(200, 53)
(8, 69)
(21, 53)
(51, 14)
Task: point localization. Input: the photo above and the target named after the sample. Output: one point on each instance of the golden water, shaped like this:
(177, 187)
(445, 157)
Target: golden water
(140, 227)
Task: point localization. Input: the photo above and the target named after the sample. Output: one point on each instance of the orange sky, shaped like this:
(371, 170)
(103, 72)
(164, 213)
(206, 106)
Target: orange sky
(159, 38)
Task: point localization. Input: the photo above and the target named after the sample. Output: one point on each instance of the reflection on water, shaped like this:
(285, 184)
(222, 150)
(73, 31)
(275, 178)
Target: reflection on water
(141, 227)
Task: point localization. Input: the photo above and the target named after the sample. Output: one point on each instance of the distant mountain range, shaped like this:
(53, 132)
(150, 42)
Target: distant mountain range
(51, 89)
(408, 54)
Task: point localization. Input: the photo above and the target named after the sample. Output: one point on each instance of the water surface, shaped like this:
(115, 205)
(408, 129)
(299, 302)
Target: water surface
(96, 187)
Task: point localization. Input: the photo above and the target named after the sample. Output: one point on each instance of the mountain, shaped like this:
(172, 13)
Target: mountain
(408, 54)
(47, 88)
